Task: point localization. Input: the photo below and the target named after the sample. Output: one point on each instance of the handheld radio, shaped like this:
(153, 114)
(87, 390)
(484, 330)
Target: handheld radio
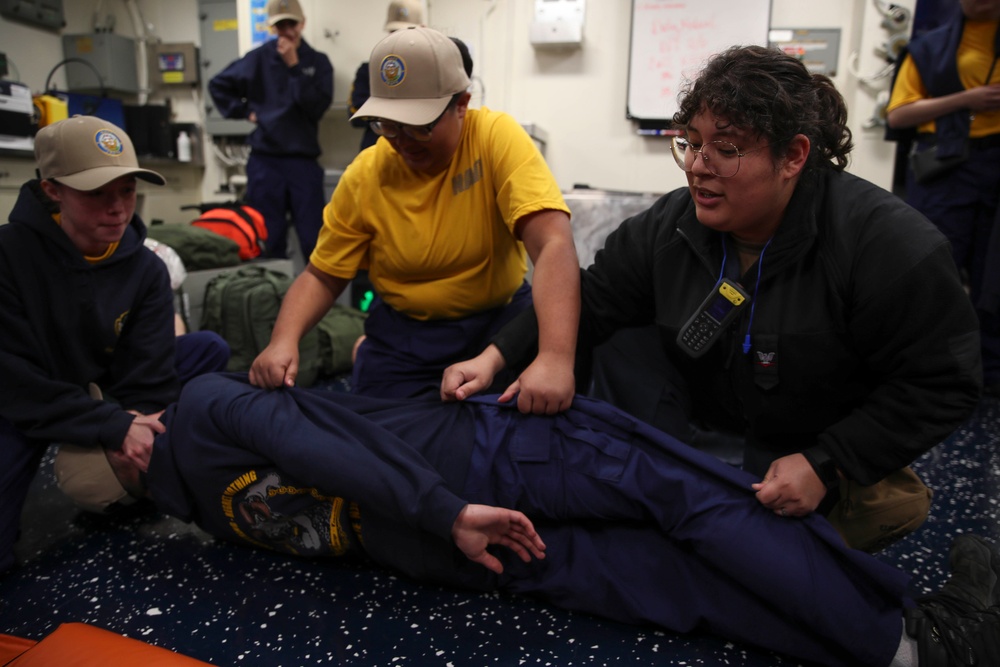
(722, 304)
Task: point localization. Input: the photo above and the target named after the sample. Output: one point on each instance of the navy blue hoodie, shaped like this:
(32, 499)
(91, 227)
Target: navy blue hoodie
(67, 322)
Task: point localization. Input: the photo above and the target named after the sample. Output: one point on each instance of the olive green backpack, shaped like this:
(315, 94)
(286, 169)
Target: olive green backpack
(242, 306)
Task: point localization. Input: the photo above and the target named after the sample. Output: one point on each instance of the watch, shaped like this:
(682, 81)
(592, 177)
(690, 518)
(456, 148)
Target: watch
(824, 467)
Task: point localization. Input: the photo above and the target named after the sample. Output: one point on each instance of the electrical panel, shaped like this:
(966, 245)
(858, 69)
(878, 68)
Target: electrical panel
(16, 108)
(100, 62)
(817, 48)
(42, 13)
(219, 47)
(174, 64)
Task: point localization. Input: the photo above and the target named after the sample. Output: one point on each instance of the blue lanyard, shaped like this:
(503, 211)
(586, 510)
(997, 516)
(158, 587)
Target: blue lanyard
(753, 301)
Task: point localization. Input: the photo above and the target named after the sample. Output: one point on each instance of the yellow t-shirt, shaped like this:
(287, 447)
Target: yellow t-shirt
(442, 246)
(974, 58)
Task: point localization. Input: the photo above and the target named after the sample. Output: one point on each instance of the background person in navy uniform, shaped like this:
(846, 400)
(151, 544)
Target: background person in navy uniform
(402, 14)
(622, 520)
(947, 92)
(284, 86)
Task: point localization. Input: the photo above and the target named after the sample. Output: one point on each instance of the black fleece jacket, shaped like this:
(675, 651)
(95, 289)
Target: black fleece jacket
(863, 343)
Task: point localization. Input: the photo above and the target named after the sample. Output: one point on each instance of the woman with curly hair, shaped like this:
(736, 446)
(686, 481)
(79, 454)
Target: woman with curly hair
(809, 314)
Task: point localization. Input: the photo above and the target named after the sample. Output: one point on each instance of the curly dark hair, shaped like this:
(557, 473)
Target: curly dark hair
(773, 95)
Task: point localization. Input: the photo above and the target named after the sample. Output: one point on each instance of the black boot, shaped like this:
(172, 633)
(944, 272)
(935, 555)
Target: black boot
(975, 569)
(946, 639)
(960, 624)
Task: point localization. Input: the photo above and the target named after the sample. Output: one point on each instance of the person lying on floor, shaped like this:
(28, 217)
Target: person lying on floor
(599, 513)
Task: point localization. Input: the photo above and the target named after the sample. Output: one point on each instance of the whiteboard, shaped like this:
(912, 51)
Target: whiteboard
(672, 39)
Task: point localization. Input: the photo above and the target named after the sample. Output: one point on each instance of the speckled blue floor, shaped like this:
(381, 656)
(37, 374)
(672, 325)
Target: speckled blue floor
(158, 580)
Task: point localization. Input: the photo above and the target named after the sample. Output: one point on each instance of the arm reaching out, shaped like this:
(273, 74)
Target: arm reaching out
(469, 377)
(478, 526)
(548, 384)
(308, 299)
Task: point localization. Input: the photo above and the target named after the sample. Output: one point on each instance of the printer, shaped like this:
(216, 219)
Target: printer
(16, 109)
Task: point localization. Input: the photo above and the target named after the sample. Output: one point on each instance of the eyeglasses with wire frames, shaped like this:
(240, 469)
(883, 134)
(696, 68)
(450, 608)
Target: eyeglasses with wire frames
(721, 157)
(391, 130)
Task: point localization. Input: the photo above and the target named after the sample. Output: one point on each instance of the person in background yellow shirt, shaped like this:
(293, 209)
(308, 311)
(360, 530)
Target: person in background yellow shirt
(948, 89)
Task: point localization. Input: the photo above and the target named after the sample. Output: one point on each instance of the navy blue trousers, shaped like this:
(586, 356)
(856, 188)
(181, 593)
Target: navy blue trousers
(277, 186)
(196, 353)
(643, 529)
(405, 358)
(965, 205)
(639, 527)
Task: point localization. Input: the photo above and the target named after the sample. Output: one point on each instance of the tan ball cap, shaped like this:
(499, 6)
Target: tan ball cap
(282, 10)
(404, 14)
(413, 74)
(86, 152)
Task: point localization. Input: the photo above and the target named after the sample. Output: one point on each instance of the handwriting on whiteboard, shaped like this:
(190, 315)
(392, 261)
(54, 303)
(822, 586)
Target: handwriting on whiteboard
(672, 40)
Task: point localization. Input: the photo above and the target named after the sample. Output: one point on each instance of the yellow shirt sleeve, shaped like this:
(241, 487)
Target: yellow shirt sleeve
(909, 87)
(974, 58)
